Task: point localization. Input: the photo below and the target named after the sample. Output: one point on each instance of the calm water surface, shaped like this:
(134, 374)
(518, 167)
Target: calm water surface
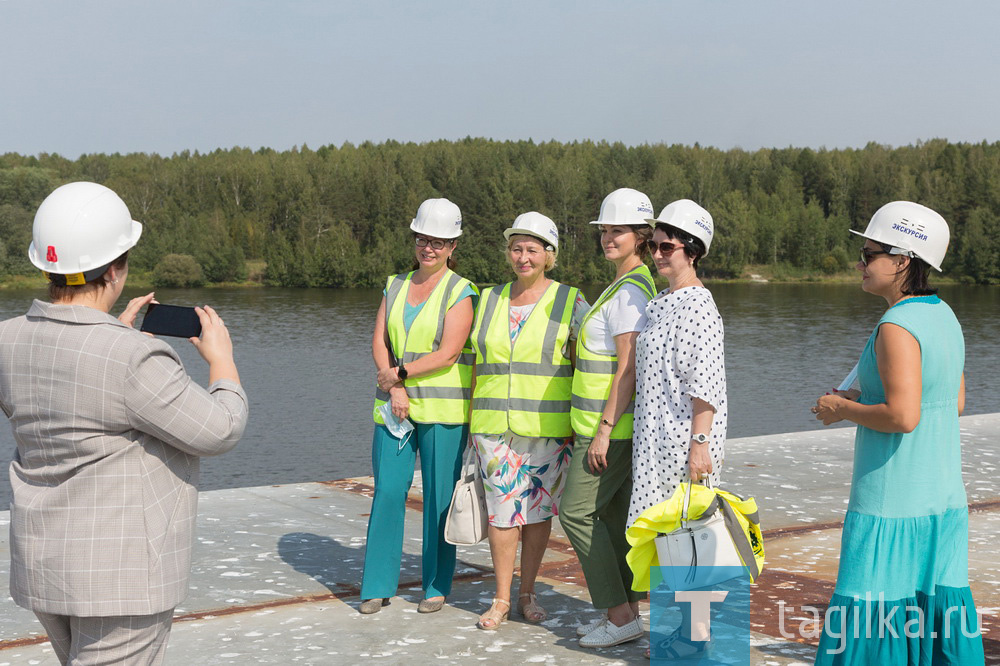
(305, 360)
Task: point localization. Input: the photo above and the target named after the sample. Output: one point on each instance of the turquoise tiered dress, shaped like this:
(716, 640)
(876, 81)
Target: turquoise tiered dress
(905, 544)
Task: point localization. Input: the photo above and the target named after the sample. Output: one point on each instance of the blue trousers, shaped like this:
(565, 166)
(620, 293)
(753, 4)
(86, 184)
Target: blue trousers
(440, 449)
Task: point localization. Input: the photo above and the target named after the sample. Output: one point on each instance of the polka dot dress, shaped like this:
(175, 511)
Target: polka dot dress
(678, 356)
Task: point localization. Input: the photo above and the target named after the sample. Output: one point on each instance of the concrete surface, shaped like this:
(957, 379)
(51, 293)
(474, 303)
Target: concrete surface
(276, 570)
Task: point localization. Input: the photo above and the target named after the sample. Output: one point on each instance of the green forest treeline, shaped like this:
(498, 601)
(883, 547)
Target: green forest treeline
(339, 216)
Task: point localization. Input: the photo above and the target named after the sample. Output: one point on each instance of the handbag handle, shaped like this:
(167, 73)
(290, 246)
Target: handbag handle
(687, 497)
(471, 458)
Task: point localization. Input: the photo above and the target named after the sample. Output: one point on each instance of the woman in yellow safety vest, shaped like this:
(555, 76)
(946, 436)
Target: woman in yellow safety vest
(422, 403)
(520, 407)
(595, 502)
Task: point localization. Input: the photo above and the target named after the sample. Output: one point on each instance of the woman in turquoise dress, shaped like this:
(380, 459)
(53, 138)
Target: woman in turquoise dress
(902, 594)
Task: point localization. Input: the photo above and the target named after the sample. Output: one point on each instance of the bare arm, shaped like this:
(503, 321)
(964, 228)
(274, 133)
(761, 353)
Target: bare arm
(383, 363)
(699, 460)
(961, 396)
(898, 356)
(380, 340)
(622, 390)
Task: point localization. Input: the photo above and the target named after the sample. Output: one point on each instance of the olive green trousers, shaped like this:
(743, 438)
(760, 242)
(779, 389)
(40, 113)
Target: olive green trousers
(593, 513)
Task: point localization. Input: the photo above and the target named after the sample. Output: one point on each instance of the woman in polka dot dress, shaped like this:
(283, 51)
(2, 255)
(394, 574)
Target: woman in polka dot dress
(680, 403)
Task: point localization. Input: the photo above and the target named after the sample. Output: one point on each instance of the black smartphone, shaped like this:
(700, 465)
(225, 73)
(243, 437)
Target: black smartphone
(173, 320)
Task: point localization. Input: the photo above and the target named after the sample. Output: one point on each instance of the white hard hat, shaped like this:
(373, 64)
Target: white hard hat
(79, 229)
(916, 230)
(438, 218)
(624, 206)
(690, 218)
(537, 225)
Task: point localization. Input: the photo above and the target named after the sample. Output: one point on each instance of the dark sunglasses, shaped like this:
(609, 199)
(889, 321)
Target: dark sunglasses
(866, 254)
(435, 243)
(666, 249)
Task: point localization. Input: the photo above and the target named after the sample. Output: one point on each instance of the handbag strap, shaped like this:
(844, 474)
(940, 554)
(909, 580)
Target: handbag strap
(687, 498)
(471, 458)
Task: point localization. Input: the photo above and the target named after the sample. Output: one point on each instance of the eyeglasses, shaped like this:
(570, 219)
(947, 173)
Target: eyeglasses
(866, 254)
(435, 243)
(666, 249)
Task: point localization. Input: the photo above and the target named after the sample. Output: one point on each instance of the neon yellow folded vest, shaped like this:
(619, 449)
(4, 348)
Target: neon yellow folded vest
(442, 396)
(594, 372)
(523, 386)
(665, 517)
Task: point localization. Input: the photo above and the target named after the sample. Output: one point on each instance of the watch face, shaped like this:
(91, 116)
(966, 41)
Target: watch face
(700, 438)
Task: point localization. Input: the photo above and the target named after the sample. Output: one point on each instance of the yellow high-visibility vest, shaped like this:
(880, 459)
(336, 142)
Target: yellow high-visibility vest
(442, 396)
(594, 372)
(523, 386)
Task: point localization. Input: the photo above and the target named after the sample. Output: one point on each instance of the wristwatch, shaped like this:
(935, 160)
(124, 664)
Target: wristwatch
(607, 423)
(701, 438)
(402, 373)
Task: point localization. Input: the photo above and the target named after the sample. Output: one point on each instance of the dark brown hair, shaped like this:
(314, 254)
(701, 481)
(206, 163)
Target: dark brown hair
(914, 276)
(693, 247)
(66, 292)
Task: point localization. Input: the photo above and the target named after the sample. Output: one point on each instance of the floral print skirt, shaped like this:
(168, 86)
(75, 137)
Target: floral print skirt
(523, 476)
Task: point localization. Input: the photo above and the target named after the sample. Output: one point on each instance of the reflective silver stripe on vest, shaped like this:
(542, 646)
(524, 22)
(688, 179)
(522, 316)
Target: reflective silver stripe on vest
(467, 358)
(522, 405)
(555, 320)
(391, 293)
(438, 393)
(597, 367)
(594, 405)
(639, 277)
(452, 281)
(522, 368)
(491, 306)
(381, 395)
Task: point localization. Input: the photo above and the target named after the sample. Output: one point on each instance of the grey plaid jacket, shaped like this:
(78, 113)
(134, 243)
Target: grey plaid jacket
(109, 430)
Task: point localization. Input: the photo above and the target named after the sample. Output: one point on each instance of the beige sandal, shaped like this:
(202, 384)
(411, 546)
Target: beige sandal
(531, 611)
(493, 618)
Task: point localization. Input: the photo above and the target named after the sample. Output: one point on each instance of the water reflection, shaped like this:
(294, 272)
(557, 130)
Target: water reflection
(304, 357)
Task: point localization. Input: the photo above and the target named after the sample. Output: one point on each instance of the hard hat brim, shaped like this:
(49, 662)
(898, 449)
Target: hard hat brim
(414, 229)
(619, 224)
(39, 262)
(878, 240)
(524, 232)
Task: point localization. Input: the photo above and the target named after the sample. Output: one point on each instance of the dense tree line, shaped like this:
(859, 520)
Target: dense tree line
(339, 216)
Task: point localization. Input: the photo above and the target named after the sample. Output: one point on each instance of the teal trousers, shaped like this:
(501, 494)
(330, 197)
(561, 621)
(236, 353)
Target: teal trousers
(440, 448)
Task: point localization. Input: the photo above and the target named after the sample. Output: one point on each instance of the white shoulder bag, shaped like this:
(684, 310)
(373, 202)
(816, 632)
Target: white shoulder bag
(697, 547)
(468, 519)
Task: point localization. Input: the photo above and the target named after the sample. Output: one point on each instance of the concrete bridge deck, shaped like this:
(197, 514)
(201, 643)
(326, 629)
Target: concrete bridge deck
(276, 570)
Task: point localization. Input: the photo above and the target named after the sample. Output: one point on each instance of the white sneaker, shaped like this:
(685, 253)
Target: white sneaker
(585, 629)
(608, 634)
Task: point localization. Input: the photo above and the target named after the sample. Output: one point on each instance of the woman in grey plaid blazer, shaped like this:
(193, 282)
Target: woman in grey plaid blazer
(109, 431)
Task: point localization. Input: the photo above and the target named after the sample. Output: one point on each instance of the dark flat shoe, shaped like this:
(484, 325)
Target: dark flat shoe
(370, 606)
(430, 606)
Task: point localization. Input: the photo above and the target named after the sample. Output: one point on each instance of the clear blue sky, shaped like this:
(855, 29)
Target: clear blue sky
(79, 76)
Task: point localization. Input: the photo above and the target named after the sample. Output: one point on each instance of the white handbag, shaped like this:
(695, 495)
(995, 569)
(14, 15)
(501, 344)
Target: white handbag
(695, 550)
(468, 519)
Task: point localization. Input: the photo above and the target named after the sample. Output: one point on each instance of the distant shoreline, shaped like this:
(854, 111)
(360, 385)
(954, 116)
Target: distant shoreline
(24, 282)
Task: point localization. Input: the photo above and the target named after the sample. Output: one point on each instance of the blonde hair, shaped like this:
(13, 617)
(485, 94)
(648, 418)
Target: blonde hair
(550, 255)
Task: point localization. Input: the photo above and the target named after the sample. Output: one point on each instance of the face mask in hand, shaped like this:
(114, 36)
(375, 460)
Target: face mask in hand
(401, 429)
